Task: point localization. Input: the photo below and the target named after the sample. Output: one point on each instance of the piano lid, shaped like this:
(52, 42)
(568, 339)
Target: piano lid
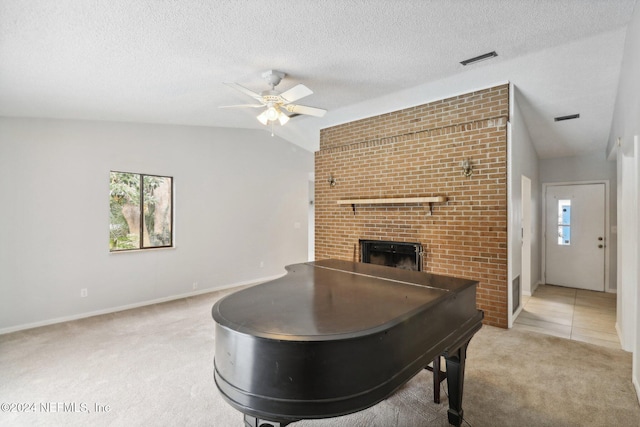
(420, 278)
(332, 300)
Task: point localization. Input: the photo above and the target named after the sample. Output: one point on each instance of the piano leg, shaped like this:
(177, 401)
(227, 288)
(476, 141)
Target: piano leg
(250, 421)
(455, 382)
(438, 377)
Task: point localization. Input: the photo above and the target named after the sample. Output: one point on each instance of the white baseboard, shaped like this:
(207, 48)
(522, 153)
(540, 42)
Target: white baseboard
(535, 286)
(623, 344)
(130, 306)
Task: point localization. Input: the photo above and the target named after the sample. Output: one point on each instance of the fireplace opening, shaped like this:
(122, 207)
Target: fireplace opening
(405, 255)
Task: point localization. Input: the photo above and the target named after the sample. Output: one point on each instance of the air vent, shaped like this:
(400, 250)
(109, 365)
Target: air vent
(479, 58)
(569, 117)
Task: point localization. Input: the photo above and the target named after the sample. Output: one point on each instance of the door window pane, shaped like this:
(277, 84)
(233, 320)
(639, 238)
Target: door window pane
(564, 222)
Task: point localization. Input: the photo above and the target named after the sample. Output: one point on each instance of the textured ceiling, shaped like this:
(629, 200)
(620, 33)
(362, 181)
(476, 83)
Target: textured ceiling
(165, 61)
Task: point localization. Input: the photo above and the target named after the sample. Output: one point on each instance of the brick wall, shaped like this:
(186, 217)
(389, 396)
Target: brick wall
(417, 152)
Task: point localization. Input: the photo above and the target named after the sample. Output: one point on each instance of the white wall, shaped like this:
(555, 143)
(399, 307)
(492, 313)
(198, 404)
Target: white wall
(625, 131)
(241, 199)
(589, 167)
(523, 161)
(628, 244)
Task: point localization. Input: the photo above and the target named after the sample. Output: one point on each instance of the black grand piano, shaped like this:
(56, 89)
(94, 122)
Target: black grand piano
(335, 337)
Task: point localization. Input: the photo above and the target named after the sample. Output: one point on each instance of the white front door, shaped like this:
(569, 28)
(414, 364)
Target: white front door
(575, 236)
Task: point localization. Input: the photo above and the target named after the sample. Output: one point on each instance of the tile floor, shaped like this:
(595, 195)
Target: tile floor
(574, 314)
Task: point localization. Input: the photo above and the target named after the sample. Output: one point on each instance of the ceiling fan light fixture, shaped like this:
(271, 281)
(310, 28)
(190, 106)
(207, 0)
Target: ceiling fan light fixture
(272, 113)
(262, 118)
(283, 119)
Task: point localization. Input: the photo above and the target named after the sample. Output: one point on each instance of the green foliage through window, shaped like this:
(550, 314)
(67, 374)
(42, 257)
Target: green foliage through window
(140, 211)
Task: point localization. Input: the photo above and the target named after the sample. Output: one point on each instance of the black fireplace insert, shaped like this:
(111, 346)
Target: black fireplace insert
(405, 255)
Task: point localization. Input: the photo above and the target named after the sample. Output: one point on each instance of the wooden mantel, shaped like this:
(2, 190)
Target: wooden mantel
(394, 200)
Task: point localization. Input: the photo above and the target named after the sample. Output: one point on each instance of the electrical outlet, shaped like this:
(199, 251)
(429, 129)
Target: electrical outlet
(195, 285)
(261, 264)
(83, 293)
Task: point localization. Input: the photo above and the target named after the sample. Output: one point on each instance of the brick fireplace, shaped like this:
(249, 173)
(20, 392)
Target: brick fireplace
(404, 255)
(415, 153)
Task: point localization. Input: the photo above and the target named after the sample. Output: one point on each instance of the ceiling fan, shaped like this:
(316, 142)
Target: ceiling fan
(275, 102)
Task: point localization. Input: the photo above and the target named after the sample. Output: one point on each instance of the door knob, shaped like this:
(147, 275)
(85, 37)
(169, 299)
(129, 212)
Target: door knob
(600, 246)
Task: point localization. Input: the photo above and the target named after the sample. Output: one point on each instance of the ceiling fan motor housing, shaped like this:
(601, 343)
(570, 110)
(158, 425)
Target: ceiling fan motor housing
(273, 77)
(270, 96)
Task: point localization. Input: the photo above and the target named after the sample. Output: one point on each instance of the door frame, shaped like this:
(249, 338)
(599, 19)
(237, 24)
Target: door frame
(525, 269)
(607, 227)
(311, 218)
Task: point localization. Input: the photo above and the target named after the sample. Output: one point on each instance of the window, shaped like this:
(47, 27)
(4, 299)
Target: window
(140, 211)
(564, 222)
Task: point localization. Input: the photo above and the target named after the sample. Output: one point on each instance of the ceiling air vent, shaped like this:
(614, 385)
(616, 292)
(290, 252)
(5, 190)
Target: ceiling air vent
(569, 117)
(479, 58)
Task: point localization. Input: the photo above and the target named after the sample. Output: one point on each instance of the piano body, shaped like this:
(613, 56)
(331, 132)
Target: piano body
(334, 337)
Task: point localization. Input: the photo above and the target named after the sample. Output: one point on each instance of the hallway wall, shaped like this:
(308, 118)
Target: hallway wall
(590, 167)
(624, 144)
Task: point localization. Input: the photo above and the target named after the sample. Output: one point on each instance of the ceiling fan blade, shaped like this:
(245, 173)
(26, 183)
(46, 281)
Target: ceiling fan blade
(295, 93)
(246, 91)
(303, 109)
(242, 106)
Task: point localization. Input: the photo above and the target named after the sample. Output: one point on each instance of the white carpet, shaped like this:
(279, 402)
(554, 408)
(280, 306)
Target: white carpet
(153, 366)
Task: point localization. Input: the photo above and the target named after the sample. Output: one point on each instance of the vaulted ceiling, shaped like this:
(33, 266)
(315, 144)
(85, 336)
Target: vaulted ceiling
(166, 61)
